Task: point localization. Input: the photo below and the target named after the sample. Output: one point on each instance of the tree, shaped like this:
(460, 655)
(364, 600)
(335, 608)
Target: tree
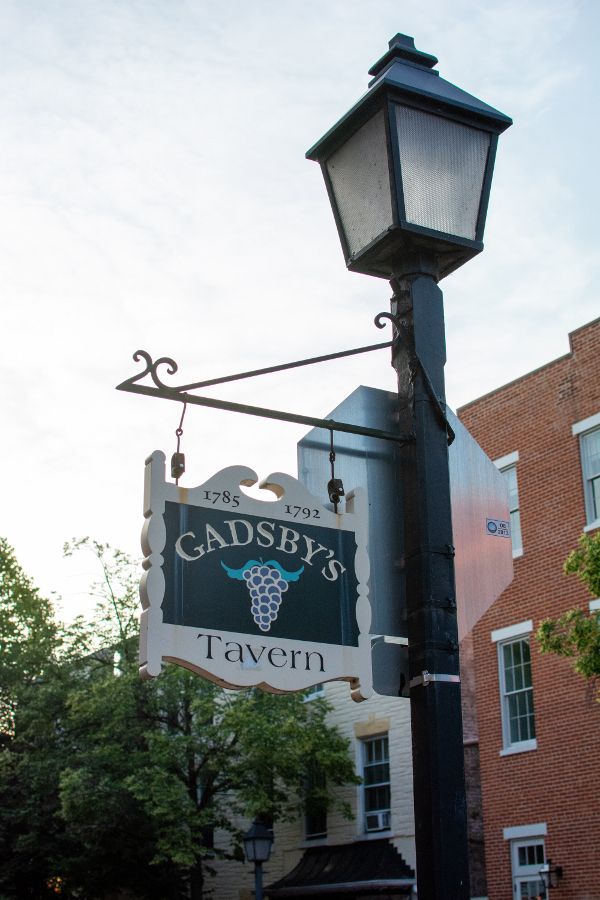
(119, 784)
(576, 634)
(29, 636)
(30, 641)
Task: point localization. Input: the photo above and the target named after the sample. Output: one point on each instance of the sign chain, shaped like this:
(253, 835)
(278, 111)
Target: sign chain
(335, 487)
(178, 458)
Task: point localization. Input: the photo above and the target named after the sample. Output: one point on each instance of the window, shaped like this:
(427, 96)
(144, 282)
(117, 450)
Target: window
(508, 467)
(315, 813)
(376, 783)
(527, 857)
(588, 431)
(317, 690)
(516, 688)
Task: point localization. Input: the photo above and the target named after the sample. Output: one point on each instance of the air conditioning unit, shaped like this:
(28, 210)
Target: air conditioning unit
(377, 821)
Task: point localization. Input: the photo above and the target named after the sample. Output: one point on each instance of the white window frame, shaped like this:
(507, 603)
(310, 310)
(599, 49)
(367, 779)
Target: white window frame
(503, 464)
(523, 873)
(518, 835)
(501, 637)
(317, 690)
(581, 430)
(387, 812)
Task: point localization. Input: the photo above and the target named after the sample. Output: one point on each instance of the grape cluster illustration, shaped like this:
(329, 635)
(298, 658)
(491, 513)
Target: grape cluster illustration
(266, 582)
(265, 585)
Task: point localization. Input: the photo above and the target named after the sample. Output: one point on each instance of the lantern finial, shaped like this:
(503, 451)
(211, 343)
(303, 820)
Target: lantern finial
(402, 47)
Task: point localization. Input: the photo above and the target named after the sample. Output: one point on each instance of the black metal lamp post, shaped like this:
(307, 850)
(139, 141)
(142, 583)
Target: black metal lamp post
(408, 171)
(258, 842)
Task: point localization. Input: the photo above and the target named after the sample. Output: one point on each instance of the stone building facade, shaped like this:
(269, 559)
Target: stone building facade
(378, 731)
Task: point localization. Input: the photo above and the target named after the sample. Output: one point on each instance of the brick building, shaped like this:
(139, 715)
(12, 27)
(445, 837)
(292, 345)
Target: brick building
(539, 722)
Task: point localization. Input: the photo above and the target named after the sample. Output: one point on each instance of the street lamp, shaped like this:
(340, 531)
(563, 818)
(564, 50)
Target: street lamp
(409, 167)
(408, 171)
(550, 874)
(258, 841)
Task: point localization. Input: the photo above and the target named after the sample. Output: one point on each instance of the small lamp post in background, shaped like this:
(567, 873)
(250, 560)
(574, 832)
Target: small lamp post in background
(550, 874)
(258, 842)
(408, 171)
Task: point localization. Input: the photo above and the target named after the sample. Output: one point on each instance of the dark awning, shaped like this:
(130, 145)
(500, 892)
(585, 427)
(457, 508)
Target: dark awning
(360, 867)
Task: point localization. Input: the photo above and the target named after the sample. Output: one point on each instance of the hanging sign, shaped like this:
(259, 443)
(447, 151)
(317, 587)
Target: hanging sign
(253, 592)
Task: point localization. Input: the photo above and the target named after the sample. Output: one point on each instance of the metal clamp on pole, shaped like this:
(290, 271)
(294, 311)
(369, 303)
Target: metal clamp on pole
(426, 678)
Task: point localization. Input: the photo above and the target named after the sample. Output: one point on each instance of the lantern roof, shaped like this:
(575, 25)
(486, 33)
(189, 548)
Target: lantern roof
(407, 72)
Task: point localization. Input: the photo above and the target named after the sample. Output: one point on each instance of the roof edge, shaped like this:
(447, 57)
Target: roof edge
(536, 371)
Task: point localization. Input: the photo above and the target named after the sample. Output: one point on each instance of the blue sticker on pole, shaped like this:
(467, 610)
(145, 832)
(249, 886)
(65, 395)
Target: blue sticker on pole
(497, 527)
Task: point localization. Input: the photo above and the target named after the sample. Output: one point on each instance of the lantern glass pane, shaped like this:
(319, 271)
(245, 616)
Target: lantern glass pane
(443, 166)
(258, 849)
(360, 180)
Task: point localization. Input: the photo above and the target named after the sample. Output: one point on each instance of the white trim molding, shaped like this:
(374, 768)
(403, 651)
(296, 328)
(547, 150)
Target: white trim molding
(511, 631)
(539, 829)
(587, 431)
(522, 747)
(586, 424)
(505, 639)
(507, 465)
(509, 460)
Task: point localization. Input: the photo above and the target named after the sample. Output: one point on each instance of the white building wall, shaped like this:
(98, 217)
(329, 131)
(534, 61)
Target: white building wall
(355, 721)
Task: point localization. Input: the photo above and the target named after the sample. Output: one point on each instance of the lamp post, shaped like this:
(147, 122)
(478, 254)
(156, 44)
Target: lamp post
(408, 171)
(258, 841)
(550, 874)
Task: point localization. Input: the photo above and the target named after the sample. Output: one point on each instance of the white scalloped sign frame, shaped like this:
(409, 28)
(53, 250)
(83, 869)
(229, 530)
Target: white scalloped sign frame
(249, 592)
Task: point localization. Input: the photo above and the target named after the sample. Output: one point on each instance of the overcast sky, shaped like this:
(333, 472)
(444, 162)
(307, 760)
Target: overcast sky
(155, 196)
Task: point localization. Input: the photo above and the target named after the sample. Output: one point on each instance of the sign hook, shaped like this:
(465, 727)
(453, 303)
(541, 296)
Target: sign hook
(335, 487)
(178, 458)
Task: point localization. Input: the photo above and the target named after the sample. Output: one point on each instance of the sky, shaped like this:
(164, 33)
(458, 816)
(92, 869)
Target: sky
(155, 195)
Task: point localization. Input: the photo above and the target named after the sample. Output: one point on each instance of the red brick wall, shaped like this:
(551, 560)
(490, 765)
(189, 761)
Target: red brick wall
(559, 783)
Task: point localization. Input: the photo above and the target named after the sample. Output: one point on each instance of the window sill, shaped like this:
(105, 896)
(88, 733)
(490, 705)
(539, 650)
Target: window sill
(592, 526)
(374, 835)
(525, 747)
(313, 842)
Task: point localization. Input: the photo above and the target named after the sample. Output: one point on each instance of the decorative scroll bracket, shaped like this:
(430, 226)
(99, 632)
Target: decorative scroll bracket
(181, 392)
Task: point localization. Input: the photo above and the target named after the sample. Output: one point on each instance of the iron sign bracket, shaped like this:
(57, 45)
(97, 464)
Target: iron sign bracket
(182, 393)
(440, 407)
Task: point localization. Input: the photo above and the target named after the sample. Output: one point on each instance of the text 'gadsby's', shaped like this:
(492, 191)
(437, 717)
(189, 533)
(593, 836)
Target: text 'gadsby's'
(241, 532)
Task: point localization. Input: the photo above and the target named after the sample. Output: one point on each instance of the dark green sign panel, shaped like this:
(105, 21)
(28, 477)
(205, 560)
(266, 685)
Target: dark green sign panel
(258, 576)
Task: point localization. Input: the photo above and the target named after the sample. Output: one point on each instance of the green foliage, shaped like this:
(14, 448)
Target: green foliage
(109, 783)
(585, 562)
(115, 625)
(29, 636)
(576, 634)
